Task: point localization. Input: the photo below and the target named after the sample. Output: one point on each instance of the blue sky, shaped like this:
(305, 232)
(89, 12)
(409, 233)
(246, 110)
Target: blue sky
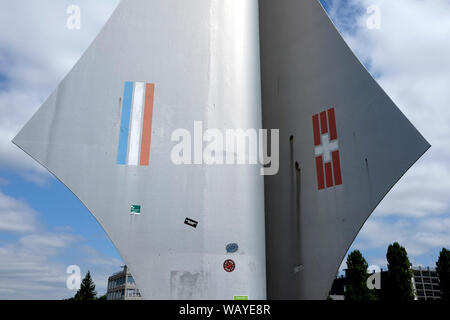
(43, 226)
(407, 55)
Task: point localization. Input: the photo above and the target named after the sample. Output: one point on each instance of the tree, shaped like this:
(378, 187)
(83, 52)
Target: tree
(443, 270)
(87, 289)
(399, 286)
(356, 274)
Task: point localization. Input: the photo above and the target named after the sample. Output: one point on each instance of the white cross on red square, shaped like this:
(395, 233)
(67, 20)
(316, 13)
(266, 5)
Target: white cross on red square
(328, 163)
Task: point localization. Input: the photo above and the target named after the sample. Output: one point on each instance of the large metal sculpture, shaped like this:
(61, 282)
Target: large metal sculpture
(204, 231)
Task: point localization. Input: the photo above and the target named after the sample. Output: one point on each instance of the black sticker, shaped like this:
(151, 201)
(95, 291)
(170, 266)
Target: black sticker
(191, 223)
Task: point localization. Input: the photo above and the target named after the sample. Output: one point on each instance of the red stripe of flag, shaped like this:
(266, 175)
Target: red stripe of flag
(320, 177)
(332, 123)
(147, 124)
(329, 174)
(323, 122)
(316, 130)
(337, 168)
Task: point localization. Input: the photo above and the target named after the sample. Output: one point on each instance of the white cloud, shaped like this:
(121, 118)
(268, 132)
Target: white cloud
(423, 192)
(409, 58)
(47, 243)
(28, 267)
(417, 236)
(27, 270)
(93, 256)
(105, 266)
(16, 216)
(36, 52)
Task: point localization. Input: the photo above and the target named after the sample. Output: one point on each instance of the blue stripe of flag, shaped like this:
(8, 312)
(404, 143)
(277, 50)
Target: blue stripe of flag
(125, 123)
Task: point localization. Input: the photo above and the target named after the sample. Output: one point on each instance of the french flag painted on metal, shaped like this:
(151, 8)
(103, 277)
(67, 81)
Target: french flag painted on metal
(328, 163)
(136, 124)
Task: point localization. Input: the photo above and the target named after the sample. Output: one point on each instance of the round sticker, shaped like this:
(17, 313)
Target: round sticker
(229, 265)
(232, 248)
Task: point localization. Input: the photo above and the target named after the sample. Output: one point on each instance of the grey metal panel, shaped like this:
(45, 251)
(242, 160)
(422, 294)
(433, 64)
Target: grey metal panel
(203, 57)
(307, 68)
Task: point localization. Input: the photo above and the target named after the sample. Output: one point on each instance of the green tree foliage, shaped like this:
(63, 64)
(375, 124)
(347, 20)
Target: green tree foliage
(399, 286)
(356, 274)
(87, 289)
(443, 270)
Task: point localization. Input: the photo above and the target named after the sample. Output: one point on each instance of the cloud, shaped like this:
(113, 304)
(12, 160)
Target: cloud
(417, 236)
(16, 216)
(36, 51)
(423, 192)
(408, 56)
(104, 266)
(32, 258)
(27, 270)
(47, 243)
(93, 256)
(28, 275)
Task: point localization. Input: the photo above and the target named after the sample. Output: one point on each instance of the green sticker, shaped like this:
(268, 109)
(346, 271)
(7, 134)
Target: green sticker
(240, 297)
(136, 209)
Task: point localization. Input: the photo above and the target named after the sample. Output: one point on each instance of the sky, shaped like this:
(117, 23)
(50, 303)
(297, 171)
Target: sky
(408, 56)
(44, 228)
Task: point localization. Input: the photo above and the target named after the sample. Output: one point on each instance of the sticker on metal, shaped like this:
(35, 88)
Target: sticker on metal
(232, 247)
(229, 265)
(135, 209)
(191, 223)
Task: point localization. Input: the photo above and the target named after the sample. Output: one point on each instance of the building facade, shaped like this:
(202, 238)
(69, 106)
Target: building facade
(426, 284)
(121, 286)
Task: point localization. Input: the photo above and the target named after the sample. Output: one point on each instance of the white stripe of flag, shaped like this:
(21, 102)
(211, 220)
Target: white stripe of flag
(136, 124)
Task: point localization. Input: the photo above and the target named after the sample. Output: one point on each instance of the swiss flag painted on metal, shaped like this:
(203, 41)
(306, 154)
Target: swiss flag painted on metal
(328, 163)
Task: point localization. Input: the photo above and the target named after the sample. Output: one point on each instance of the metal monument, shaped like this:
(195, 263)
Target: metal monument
(196, 229)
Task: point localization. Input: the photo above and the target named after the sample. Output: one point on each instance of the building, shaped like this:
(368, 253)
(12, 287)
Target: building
(426, 284)
(121, 286)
